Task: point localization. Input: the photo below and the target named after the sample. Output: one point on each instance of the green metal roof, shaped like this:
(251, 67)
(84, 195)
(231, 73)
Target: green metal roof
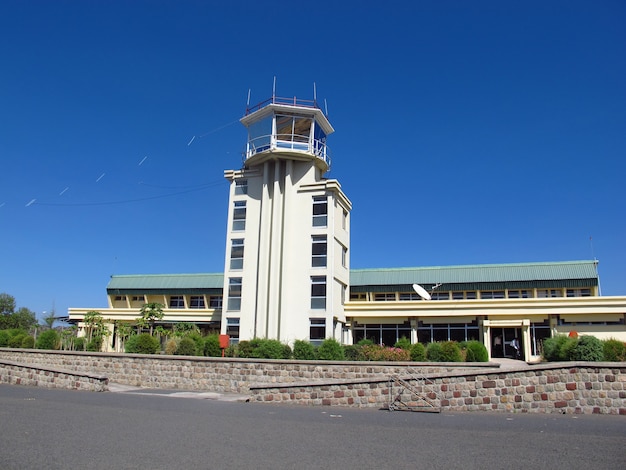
(471, 274)
(147, 283)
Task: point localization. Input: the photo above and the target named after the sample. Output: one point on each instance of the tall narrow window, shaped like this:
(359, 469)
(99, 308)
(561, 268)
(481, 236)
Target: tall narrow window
(344, 256)
(319, 251)
(239, 216)
(317, 331)
(318, 292)
(236, 253)
(232, 329)
(320, 211)
(241, 187)
(234, 293)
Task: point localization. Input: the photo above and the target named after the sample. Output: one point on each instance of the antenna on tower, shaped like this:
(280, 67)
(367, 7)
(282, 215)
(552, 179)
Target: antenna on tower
(274, 89)
(248, 102)
(314, 94)
(325, 107)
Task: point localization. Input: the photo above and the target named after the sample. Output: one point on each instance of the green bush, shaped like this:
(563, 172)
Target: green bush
(4, 338)
(330, 350)
(79, 344)
(199, 340)
(352, 352)
(588, 348)
(403, 343)
(614, 350)
(272, 349)
(48, 339)
(143, 344)
(186, 347)
(212, 346)
(418, 352)
(381, 353)
(558, 348)
(451, 352)
(475, 351)
(303, 350)
(171, 346)
(16, 341)
(95, 345)
(434, 352)
(248, 349)
(365, 342)
(28, 342)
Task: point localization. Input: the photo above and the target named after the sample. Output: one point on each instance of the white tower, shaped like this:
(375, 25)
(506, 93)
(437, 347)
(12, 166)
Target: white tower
(287, 263)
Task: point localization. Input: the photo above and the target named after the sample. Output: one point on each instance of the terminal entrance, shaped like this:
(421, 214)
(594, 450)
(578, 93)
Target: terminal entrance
(503, 342)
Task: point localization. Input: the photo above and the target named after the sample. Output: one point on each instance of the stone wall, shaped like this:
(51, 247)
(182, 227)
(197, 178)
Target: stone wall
(580, 387)
(47, 377)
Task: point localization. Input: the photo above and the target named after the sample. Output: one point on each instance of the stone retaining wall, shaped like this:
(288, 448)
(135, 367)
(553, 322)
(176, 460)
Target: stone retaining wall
(581, 388)
(37, 376)
(213, 373)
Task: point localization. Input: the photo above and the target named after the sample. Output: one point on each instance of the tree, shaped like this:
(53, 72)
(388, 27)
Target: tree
(96, 329)
(123, 331)
(152, 312)
(24, 319)
(50, 319)
(7, 304)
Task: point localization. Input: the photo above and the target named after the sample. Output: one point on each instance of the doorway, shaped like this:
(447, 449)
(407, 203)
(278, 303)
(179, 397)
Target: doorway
(503, 343)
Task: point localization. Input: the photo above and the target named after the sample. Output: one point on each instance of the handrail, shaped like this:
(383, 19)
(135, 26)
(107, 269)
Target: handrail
(286, 101)
(315, 147)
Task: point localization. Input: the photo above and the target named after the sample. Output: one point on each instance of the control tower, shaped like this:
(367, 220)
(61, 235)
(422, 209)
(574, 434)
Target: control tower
(287, 265)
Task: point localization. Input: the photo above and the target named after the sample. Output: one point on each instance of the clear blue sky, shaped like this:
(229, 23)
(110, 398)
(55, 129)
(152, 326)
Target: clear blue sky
(466, 132)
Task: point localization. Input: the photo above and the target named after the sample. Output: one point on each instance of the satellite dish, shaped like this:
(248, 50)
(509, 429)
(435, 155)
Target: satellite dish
(421, 292)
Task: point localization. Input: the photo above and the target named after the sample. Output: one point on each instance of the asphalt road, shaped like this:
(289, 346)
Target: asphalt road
(61, 429)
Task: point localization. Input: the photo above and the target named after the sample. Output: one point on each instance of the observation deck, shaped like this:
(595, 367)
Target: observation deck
(287, 128)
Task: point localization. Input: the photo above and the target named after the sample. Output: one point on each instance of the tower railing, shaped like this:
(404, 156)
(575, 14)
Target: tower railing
(286, 101)
(292, 142)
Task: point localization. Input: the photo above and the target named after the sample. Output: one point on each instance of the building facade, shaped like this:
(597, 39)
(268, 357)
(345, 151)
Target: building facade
(287, 269)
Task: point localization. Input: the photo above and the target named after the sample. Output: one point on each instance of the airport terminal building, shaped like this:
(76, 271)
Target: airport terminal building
(287, 269)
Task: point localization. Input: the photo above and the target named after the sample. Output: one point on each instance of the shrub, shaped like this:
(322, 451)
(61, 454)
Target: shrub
(450, 352)
(614, 350)
(48, 339)
(303, 350)
(186, 347)
(212, 346)
(94, 345)
(588, 348)
(476, 352)
(199, 340)
(418, 352)
(381, 353)
(433, 352)
(142, 344)
(244, 349)
(558, 348)
(28, 342)
(16, 341)
(403, 343)
(351, 352)
(365, 342)
(79, 344)
(330, 350)
(171, 346)
(272, 349)
(4, 338)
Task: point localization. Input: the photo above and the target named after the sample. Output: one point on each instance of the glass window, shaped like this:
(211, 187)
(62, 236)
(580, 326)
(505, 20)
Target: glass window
(319, 251)
(232, 329)
(470, 295)
(177, 301)
(259, 135)
(492, 294)
(241, 187)
(519, 294)
(318, 292)
(215, 301)
(344, 256)
(545, 293)
(317, 330)
(239, 216)
(196, 301)
(320, 211)
(234, 293)
(385, 297)
(409, 296)
(440, 296)
(578, 292)
(236, 253)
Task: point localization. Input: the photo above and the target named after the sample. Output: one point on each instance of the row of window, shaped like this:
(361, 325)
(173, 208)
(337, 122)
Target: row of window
(317, 330)
(178, 301)
(470, 295)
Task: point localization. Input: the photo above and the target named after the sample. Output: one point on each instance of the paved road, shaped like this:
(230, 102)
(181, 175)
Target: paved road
(61, 429)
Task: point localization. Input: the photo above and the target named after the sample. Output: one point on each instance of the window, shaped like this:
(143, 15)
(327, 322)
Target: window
(120, 298)
(544, 293)
(236, 253)
(241, 187)
(232, 329)
(234, 293)
(177, 301)
(409, 296)
(457, 296)
(440, 296)
(492, 294)
(319, 251)
(520, 294)
(317, 331)
(344, 256)
(360, 296)
(344, 288)
(215, 301)
(320, 211)
(196, 301)
(382, 334)
(138, 298)
(239, 216)
(385, 297)
(432, 332)
(471, 295)
(318, 292)
(344, 220)
(578, 292)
